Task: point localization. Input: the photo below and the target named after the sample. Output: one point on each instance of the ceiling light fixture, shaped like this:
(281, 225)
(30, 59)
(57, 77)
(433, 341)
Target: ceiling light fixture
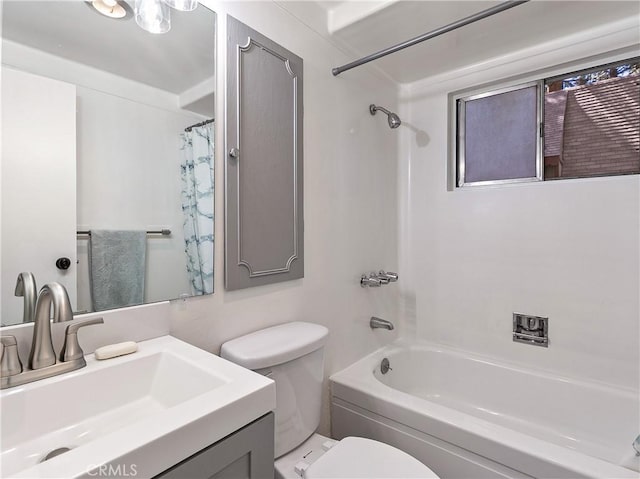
(182, 5)
(109, 8)
(153, 16)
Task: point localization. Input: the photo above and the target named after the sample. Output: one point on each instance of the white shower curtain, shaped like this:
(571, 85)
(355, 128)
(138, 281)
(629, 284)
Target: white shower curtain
(197, 206)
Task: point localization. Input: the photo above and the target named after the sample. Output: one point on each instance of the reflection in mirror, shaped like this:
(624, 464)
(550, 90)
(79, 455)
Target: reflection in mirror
(107, 155)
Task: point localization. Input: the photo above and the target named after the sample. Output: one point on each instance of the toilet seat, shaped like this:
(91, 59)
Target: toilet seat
(357, 457)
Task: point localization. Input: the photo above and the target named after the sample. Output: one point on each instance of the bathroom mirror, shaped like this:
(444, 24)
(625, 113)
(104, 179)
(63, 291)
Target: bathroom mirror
(94, 117)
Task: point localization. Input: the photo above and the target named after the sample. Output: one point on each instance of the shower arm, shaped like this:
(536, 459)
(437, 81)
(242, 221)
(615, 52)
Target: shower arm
(374, 108)
(392, 118)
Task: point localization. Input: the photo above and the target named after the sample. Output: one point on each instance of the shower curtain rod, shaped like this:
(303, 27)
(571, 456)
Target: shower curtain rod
(427, 36)
(202, 123)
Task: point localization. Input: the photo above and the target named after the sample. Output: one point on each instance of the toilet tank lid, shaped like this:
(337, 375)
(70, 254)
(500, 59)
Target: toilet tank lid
(275, 345)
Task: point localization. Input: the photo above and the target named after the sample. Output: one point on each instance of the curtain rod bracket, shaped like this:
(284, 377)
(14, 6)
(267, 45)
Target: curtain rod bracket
(202, 123)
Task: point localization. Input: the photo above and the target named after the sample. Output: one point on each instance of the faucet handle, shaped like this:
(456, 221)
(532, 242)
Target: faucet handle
(370, 281)
(388, 275)
(10, 364)
(71, 349)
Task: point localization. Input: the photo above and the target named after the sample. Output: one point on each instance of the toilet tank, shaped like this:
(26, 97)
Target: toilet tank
(292, 354)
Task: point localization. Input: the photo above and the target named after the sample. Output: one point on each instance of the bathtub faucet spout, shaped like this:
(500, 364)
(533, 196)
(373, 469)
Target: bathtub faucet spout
(380, 323)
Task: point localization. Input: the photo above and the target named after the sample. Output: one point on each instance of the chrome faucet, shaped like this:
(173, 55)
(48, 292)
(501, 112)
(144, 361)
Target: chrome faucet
(42, 358)
(26, 287)
(636, 445)
(378, 279)
(52, 294)
(376, 323)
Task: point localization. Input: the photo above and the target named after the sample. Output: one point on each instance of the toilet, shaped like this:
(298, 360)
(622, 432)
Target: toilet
(292, 354)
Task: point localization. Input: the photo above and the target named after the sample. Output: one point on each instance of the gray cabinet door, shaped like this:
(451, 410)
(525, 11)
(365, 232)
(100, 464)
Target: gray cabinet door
(264, 237)
(245, 454)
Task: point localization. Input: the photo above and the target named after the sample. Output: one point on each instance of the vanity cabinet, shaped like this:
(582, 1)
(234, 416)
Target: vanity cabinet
(245, 454)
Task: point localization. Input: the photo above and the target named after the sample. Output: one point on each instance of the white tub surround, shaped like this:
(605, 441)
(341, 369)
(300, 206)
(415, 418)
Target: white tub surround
(566, 249)
(470, 416)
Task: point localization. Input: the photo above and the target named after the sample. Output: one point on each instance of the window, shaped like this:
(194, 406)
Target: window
(570, 126)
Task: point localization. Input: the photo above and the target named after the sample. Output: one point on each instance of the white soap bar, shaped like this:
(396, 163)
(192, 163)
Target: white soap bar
(113, 350)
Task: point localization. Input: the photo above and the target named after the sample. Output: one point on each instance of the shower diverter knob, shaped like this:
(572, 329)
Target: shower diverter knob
(234, 153)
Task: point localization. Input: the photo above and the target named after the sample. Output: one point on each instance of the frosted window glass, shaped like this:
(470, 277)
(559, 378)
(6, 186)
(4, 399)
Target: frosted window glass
(501, 136)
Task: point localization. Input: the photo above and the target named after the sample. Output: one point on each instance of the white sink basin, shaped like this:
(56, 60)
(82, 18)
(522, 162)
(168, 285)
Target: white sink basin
(138, 414)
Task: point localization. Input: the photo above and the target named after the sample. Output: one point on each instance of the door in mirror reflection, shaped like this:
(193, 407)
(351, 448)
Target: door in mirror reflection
(103, 164)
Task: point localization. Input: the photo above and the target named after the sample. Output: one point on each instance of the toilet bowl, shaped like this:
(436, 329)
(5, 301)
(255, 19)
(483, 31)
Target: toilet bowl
(292, 354)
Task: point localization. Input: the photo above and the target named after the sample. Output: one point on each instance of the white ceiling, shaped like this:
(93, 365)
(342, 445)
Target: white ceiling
(363, 29)
(173, 62)
(179, 60)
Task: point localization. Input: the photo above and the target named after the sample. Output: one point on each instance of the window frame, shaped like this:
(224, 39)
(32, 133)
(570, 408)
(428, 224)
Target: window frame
(459, 100)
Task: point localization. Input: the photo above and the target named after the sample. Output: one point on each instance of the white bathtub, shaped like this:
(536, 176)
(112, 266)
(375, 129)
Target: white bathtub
(470, 417)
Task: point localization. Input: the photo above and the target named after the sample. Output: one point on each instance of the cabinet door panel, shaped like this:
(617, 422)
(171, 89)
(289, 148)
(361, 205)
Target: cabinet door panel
(264, 238)
(245, 454)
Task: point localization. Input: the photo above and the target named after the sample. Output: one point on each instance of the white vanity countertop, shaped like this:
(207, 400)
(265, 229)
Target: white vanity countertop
(134, 415)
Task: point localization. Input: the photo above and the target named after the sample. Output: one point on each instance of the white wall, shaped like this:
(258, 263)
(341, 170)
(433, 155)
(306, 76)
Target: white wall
(350, 205)
(568, 249)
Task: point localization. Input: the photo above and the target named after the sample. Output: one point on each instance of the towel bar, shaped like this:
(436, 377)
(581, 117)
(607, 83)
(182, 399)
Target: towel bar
(163, 232)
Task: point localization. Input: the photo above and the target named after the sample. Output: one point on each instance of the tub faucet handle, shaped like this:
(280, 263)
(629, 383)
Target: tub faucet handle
(388, 275)
(370, 281)
(636, 445)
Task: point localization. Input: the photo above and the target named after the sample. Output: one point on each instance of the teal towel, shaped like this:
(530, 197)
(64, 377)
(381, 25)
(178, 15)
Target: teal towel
(116, 268)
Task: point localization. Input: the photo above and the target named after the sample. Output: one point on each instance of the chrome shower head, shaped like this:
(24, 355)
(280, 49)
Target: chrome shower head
(393, 119)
